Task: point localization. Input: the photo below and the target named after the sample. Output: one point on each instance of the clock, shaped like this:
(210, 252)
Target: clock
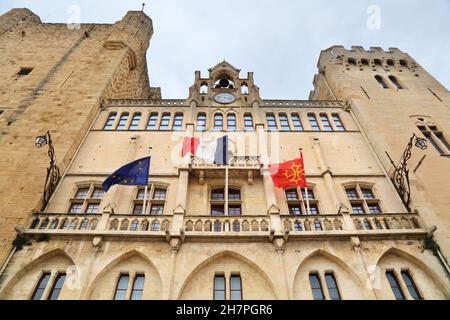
(224, 98)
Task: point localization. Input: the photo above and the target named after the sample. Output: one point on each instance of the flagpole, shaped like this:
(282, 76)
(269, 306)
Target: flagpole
(146, 189)
(308, 209)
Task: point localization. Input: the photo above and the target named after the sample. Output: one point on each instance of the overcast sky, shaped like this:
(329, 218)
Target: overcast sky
(280, 41)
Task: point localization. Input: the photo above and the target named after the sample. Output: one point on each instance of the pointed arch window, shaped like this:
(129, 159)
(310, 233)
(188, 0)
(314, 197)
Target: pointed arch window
(381, 81)
(337, 122)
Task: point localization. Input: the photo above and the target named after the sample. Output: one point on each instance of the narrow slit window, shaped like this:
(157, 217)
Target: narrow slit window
(332, 286)
(395, 82)
(316, 287)
(219, 287)
(122, 285)
(40, 287)
(57, 286)
(235, 287)
(138, 287)
(381, 81)
(395, 286)
(411, 285)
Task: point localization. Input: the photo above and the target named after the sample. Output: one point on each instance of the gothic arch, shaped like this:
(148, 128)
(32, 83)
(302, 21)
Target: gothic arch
(322, 261)
(132, 261)
(260, 277)
(397, 260)
(30, 273)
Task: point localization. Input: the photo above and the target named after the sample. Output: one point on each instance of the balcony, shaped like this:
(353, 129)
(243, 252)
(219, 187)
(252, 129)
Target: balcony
(235, 163)
(218, 228)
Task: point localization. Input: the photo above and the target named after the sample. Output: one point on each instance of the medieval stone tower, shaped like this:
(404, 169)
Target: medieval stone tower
(206, 230)
(55, 78)
(393, 97)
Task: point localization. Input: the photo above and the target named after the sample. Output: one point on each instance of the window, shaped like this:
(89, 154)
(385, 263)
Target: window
(110, 122)
(435, 137)
(364, 62)
(377, 62)
(296, 122)
(165, 121)
(152, 120)
(24, 71)
(231, 122)
(235, 287)
(219, 287)
(316, 286)
(40, 287)
(410, 284)
(362, 199)
(271, 122)
(87, 199)
(313, 122)
(284, 122)
(138, 287)
(248, 122)
(381, 81)
(404, 63)
(297, 204)
(178, 122)
(135, 121)
(121, 289)
(395, 82)
(218, 122)
(351, 61)
(333, 289)
(57, 286)
(122, 121)
(218, 202)
(390, 62)
(395, 286)
(337, 122)
(325, 122)
(201, 122)
(154, 203)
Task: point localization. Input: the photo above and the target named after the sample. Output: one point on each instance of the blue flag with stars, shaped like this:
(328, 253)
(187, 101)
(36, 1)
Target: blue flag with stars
(132, 174)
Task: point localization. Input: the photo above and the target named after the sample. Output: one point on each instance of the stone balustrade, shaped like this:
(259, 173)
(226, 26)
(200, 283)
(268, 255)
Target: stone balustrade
(237, 162)
(227, 224)
(206, 225)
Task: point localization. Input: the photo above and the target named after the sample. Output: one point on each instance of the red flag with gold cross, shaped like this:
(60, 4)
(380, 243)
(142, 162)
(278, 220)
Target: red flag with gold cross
(288, 174)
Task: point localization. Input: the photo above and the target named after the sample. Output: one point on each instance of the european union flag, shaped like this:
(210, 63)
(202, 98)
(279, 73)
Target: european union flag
(132, 174)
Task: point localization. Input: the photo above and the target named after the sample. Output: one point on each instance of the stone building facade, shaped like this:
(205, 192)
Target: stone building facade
(355, 238)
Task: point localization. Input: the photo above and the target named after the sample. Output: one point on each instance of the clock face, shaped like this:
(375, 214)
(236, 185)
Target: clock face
(224, 97)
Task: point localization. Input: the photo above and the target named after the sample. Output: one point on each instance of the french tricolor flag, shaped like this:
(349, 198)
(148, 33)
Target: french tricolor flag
(212, 151)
